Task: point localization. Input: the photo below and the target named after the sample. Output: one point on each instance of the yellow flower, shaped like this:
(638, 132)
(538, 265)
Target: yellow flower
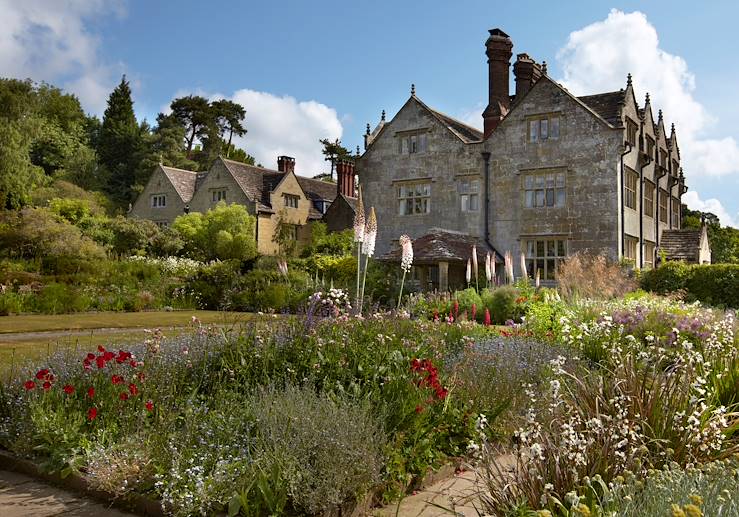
(692, 510)
(543, 513)
(677, 511)
(584, 510)
(696, 499)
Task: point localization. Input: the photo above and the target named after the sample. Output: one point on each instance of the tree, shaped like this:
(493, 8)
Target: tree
(229, 117)
(120, 143)
(222, 233)
(334, 151)
(194, 114)
(724, 241)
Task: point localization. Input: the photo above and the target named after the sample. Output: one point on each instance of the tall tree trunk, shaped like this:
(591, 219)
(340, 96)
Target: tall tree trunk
(189, 143)
(230, 134)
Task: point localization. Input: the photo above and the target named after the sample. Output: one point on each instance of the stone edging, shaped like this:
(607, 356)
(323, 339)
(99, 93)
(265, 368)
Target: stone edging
(74, 482)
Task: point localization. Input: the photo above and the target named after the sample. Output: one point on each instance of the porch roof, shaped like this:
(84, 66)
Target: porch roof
(441, 245)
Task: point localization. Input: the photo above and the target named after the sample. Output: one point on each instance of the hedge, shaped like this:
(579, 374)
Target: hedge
(713, 284)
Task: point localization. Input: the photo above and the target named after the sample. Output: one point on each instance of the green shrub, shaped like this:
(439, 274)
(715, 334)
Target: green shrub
(466, 299)
(714, 284)
(501, 302)
(60, 298)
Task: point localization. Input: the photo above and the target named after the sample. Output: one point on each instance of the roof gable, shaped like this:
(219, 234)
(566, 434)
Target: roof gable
(183, 181)
(681, 244)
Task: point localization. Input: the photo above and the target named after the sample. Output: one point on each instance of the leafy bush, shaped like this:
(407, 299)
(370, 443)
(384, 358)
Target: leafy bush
(501, 302)
(714, 284)
(467, 299)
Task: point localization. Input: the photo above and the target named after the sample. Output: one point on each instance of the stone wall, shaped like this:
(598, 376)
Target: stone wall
(158, 184)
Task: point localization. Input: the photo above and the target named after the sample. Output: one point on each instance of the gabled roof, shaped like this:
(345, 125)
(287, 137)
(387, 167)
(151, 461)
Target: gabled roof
(681, 244)
(607, 105)
(445, 245)
(467, 134)
(257, 183)
(184, 182)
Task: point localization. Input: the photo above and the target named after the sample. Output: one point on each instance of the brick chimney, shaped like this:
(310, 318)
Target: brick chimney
(286, 164)
(527, 72)
(345, 178)
(498, 49)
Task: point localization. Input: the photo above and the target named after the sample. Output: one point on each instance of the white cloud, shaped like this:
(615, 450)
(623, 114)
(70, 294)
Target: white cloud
(713, 205)
(49, 40)
(597, 59)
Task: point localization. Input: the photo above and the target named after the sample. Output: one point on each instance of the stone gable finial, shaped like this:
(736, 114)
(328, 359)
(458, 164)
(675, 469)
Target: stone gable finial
(673, 127)
(413, 89)
(382, 118)
(628, 79)
(368, 128)
(357, 150)
(544, 67)
(646, 100)
(659, 116)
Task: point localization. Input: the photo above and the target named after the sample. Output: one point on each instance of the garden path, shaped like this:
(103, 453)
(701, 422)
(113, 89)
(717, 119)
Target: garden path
(22, 496)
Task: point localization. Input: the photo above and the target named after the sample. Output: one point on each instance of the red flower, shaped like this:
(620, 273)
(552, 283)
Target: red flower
(108, 356)
(100, 361)
(487, 317)
(474, 312)
(86, 364)
(90, 356)
(116, 379)
(68, 389)
(90, 392)
(149, 405)
(419, 409)
(101, 348)
(123, 396)
(133, 363)
(456, 309)
(92, 413)
(29, 385)
(42, 374)
(133, 389)
(46, 386)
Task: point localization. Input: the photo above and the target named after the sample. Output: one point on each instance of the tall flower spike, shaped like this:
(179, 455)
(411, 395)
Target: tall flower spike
(468, 274)
(488, 271)
(359, 219)
(474, 260)
(370, 234)
(406, 261)
(524, 272)
(492, 269)
(538, 278)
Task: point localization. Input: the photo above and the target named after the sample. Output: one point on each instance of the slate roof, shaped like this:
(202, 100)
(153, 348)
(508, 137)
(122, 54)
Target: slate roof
(467, 133)
(258, 182)
(184, 182)
(681, 244)
(444, 245)
(607, 105)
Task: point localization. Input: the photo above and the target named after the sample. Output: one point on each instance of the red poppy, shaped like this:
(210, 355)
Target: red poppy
(90, 356)
(46, 386)
(90, 392)
(101, 348)
(29, 385)
(68, 389)
(87, 364)
(123, 396)
(108, 356)
(100, 361)
(42, 374)
(116, 379)
(92, 413)
(133, 389)
(149, 405)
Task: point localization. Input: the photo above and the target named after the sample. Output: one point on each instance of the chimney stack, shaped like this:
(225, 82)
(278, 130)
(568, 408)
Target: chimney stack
(498, 48)
(527, 72)
(286, 164)
(345, 178)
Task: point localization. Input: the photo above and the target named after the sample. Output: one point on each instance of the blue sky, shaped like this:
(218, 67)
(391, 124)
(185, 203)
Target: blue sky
(307, 70)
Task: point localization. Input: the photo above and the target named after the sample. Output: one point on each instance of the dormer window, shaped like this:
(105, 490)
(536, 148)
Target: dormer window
(321, 205)
(218, 195)
(291, 200)
(663, 158)
(631, 129)
(544, 127)
(413, 142)
(650, 147)
(159, 201)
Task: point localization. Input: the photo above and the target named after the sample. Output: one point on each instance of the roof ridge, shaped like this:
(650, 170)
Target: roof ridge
(178, 169)
(465, 124)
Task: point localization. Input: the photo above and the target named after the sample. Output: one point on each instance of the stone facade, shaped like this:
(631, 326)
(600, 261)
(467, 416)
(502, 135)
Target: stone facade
(273, 196)
(552, 175)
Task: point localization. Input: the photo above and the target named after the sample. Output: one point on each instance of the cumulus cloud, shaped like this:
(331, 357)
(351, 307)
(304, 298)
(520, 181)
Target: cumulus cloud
(597, 58)
(50, 40)
(713, 205)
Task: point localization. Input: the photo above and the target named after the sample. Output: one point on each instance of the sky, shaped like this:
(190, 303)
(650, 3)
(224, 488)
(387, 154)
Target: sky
(324, 69)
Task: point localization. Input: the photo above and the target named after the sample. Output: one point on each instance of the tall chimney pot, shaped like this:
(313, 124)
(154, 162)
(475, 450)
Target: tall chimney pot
(286, 164)
(498, 49)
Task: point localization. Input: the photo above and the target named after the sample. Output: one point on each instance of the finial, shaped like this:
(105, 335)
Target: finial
(544, 67)
(413, 89)
(673, 127)
(628, 79)
(646, 101)
(383, 116)
(357, 150)
(368, 128)
(660, 114)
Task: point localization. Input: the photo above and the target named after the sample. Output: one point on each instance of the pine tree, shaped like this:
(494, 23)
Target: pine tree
(120, 142)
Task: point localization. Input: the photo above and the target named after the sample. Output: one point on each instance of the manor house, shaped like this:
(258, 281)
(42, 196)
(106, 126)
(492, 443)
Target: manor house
(550, 175)
(270, 195)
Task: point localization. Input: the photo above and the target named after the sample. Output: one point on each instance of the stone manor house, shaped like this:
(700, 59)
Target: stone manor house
(268, 194)
(552, 174)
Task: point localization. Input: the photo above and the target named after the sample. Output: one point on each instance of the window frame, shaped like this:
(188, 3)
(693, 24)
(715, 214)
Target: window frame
(535, 128)
(648, 200)
(547, 252)
(675, 212)
(631, 244)
(537, 189)
(218, 194)
(630, 188)
(413, 142)
(663, 208)
(469, 190)
(649, 255)
(412, 192)
(158, 201)
(291, 200)
(632, 128)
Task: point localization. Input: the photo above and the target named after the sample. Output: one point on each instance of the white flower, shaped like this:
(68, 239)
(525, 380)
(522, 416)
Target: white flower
(407, 253)
(370, 234)
(359, 220)
(488, 267)
(468, 273)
